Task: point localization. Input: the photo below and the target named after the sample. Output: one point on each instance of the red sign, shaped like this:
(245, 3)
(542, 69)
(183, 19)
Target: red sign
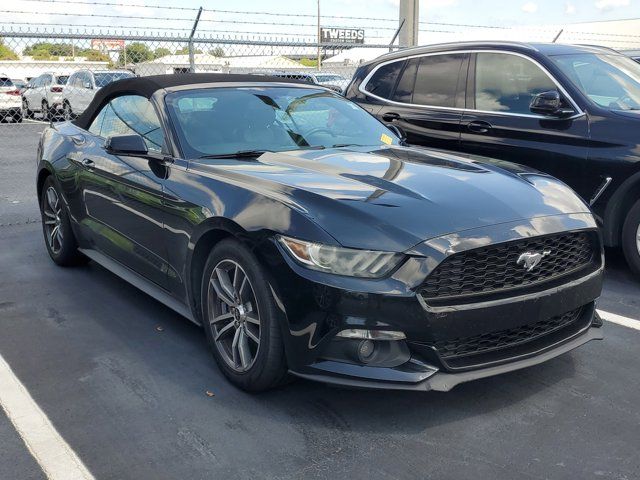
(106, 45)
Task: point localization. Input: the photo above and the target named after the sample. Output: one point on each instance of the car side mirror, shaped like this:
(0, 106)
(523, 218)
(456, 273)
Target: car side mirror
(549, 104)
(127, 144)
(87, 85)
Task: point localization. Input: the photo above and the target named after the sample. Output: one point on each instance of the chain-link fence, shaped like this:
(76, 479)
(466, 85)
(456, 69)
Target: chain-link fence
(50, 72)
(51, 77)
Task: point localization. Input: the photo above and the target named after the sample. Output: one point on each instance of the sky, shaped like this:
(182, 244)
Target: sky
(380, 24)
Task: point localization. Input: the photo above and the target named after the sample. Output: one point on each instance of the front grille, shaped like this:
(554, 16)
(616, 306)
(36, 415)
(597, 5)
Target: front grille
(488, 342)
(494, 268)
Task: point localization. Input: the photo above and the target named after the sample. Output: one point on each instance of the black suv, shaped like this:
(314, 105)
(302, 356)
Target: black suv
(571, 111)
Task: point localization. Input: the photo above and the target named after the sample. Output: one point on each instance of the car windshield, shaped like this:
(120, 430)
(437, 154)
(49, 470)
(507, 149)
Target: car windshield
(62, 79)
(221, 121)
(611, 81)
(103, 79)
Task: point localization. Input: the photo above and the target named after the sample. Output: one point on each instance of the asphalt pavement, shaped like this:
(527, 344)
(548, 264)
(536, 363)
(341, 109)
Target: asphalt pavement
(133, 390)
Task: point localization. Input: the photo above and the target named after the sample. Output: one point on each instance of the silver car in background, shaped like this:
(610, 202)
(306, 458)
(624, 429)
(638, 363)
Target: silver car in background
(10, 104)
(44, 96)
(82, 87)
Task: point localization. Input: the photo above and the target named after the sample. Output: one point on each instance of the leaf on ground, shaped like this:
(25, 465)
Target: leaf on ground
(210, 393)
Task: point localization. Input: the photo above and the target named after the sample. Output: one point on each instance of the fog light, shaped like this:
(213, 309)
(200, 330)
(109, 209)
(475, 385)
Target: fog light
(371, 334)
(366, 350)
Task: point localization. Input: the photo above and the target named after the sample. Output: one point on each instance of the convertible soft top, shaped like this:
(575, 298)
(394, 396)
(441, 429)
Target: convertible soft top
(147, 86)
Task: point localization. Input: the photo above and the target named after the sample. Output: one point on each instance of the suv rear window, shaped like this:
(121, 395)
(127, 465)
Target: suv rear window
(383, 81)
(5, 82)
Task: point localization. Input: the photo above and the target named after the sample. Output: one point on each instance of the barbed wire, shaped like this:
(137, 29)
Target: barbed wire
(175, 29)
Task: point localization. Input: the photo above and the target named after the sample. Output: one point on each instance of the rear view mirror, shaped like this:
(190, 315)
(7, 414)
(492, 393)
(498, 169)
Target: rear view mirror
(129, 144)
(550, 104)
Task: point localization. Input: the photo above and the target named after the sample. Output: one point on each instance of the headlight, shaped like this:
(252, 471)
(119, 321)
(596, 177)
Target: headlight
(341, 261)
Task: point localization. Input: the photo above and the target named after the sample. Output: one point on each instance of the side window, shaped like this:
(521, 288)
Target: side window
(82, 79)
(37, 82)
(404, 90)
(96, 125)
(133, 114)
(507, 83)
(437, 80)
(46, 81)
(383, 81)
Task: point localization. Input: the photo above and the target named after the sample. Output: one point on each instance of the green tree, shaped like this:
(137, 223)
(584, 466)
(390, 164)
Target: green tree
(48, 50)
(136, 52)
(185, 50)
(6, 53)
(93, 55)
(217, 52)
(161, 52)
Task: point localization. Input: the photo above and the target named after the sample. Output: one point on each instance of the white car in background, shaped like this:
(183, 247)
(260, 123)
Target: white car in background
(83, 85)
(10, 103)
(44, 95)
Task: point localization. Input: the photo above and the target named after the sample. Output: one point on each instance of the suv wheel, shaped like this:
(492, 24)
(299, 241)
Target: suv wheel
(631, 238)
(56, 227)
(66, 111)
(46, 112)
(241, 318)
(25, 109)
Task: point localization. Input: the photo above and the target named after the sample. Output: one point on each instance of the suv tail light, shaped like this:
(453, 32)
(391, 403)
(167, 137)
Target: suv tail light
(15, 93)
(56, 89)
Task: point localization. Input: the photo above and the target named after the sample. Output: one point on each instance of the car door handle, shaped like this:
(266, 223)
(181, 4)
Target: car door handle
(88, 163)
(478, 126)
(390, 116)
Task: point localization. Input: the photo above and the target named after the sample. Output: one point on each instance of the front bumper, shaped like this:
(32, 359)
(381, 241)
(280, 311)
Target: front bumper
(433, 379)
(317, 306)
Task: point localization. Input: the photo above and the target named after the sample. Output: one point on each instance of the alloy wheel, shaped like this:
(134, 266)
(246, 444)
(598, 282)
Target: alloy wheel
(52, 211)
(233, 315)
(66, 111)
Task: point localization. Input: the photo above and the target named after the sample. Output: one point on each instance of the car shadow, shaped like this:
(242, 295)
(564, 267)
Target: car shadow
(311, 405)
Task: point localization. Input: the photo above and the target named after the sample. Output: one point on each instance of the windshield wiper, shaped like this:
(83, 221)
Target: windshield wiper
(238, 154)
(340, 145)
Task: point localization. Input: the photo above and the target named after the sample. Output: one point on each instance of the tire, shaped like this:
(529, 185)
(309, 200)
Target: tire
(25, 109)
(46, 112)
(631, 238)
(61, 243)
(251, 314)
(67, 113)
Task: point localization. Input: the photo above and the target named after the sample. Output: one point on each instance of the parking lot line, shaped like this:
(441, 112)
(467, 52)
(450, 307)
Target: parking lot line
(56, 458)
(620, 320)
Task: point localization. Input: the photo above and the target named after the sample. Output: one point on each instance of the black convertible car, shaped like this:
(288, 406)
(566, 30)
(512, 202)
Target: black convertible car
(307, 240)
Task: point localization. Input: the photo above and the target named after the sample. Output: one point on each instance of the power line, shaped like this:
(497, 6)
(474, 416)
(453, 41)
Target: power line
(239, 12)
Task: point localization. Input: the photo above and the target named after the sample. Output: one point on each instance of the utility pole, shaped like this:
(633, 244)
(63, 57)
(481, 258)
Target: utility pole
(192, 62)
(319, 33)
(409, 15)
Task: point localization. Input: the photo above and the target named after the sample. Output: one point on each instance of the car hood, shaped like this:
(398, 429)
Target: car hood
(392, 198)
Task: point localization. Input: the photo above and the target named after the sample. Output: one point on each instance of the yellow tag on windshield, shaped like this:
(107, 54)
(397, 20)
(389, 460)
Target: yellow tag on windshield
(384, 138)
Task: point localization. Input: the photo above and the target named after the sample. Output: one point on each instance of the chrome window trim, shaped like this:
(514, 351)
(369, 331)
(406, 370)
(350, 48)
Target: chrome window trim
(578, 110)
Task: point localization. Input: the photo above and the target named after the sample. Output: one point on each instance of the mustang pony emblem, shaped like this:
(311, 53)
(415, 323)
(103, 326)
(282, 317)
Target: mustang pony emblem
(530, 260)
